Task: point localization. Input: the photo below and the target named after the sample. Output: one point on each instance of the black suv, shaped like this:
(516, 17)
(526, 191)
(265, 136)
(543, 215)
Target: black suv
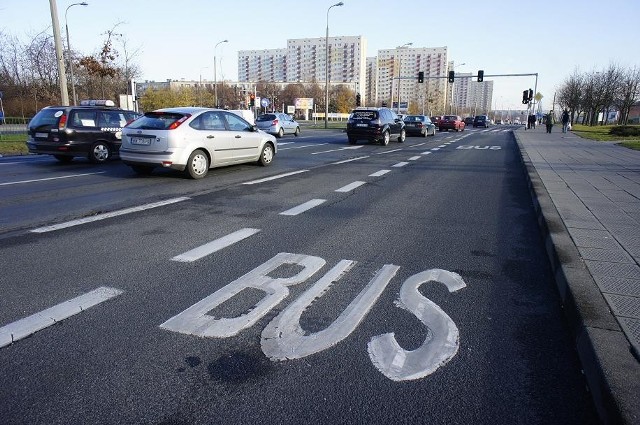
(92, 130)
(481, 121)
(375, 124)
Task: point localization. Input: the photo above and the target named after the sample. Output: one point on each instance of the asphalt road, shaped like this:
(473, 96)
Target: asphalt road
(250, 301)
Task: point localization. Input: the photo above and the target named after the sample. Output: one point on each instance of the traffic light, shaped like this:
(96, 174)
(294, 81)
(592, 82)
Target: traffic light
(252, 100)
(452, 76)
(421, 77)
(358, 99)
(525, 97)
(530, 95)
(480, 76)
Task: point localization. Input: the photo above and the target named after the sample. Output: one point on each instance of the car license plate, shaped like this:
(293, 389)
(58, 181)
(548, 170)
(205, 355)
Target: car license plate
(42, 135)
(362, 125)
(145, 141)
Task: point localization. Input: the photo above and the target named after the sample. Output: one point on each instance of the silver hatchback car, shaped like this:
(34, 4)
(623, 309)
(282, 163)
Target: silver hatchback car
(193, 140)
(278, 124)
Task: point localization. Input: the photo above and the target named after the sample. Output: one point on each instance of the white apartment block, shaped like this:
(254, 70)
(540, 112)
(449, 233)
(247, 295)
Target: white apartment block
(262, 65)
(303, 61)
(405, 62)
(371, 81)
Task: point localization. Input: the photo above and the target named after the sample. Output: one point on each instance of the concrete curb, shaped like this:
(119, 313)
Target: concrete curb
(611, 373)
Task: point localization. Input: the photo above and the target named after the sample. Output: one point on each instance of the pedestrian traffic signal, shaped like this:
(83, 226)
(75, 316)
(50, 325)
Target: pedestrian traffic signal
(421, 77)
(452, 76)
(252, 100)
(480, 76)
(358, 99)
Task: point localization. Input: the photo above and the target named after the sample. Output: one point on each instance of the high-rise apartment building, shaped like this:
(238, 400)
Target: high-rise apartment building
(262, 65)
(397, 77)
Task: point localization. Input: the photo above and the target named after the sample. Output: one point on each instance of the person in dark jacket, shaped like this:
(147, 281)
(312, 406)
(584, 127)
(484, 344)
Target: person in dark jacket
(549, 121)
(565, 121)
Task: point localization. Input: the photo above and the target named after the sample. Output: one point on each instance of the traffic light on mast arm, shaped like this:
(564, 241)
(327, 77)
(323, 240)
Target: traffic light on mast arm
(358, 99)
(480, 76)
(452, 76)
(525, 97)
(421, 77)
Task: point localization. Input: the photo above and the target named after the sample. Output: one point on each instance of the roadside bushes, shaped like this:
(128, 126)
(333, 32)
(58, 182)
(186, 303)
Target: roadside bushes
(625, 131)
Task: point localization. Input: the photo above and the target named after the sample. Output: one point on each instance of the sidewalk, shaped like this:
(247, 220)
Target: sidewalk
(587, 197)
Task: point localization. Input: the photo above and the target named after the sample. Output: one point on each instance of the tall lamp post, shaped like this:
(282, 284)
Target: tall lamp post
(326, 69)
(399, 70)
(62, 74)
(215, 72)
(73, 82)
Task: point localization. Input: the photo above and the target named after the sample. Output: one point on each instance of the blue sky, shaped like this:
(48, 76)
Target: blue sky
(177, 39)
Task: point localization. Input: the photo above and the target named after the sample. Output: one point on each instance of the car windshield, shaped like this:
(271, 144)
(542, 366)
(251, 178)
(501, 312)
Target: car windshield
(364, 115)
(414, 118)
(267, 117)
(156, 120)
(46, 118)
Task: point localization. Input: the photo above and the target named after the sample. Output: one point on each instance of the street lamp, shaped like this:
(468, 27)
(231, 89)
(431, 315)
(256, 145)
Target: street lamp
(399, 70)
(215, 72)
(73, 83)
(453, 85)
(326, 69)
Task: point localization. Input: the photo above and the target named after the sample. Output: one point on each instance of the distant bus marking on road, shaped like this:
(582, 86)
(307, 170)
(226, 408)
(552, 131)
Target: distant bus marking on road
(304, 207)
(216, 245)
(29, 325)
(104, 216)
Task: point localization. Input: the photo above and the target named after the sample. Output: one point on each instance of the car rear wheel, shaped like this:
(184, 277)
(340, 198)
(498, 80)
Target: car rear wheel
(266, 156)
(403, 136)
(385, 138)
(99, 153)
(197, 165)
(281, 132)
(297, 132)
(63, 158)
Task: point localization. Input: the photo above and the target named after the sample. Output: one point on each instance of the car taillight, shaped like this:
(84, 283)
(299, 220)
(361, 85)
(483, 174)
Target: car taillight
(177, 124)
(274, 122)
(62, 122)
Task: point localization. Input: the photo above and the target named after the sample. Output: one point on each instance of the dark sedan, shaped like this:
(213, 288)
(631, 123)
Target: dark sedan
(419, 125)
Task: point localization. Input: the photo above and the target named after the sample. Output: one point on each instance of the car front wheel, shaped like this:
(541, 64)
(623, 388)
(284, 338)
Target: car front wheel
(297, 133)
(197, 165)
(99, 153)
(266, 156)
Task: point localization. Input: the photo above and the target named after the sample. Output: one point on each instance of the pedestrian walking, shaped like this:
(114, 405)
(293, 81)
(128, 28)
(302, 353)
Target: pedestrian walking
(565, 120)
(549, 121)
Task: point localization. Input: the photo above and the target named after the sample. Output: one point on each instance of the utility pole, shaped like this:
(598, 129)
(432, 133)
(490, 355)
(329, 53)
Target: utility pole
(62, 75)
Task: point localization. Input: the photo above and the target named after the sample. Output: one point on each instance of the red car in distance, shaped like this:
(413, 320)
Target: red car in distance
(451, 122)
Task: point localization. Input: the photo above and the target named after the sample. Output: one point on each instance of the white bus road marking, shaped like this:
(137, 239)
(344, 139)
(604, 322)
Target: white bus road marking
(400, 164)
(414, 158)
(337, 150)
(284, 338)
(379, 173)
(216, 245)
(104, 216)
(51, 178)
(279, 176)
(344, 161)
(304, 207)
(29, 325)
(350, 186)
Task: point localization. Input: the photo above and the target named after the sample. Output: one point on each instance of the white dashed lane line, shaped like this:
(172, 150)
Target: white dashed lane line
(379, 173)
(29, 325)
(400, 164)
(350, 186)
(304, 207)
(216, 245)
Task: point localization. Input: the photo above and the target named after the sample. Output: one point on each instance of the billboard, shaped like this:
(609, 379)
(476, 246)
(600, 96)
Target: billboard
(303, 103)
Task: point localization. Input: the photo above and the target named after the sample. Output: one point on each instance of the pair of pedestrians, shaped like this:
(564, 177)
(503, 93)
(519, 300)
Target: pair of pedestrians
(565, 121)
